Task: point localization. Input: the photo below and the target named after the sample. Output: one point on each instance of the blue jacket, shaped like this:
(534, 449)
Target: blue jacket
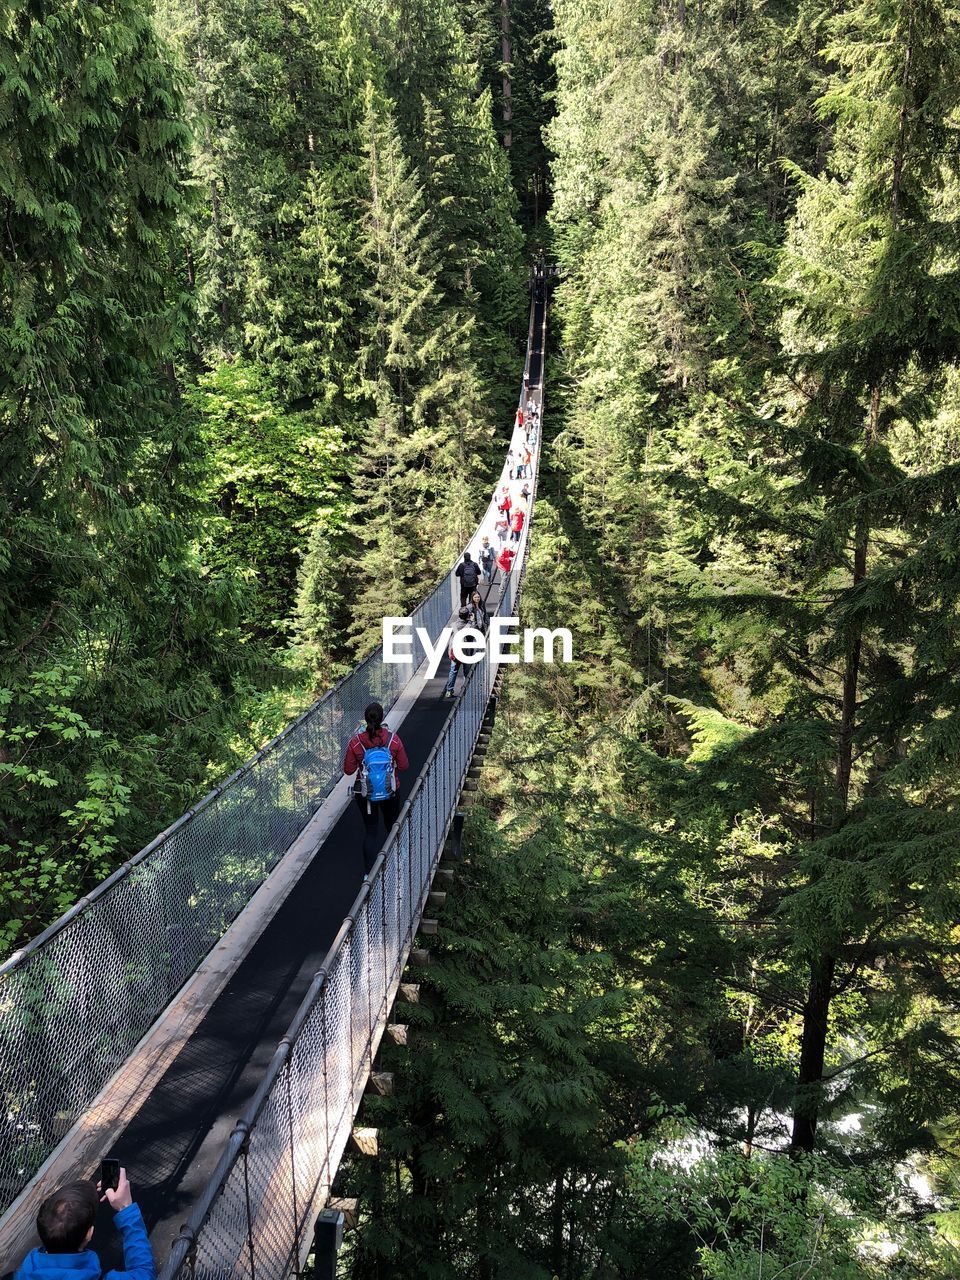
(137, 1256)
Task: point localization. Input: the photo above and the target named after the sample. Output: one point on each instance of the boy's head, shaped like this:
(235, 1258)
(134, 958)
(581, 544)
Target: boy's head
(65, 1220)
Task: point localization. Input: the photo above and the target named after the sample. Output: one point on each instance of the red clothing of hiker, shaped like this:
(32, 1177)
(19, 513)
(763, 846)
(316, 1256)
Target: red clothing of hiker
(505, 559)
(518, 518)
(360, 742)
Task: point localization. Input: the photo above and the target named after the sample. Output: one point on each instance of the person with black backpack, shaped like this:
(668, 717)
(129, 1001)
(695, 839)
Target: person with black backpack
(376, 756)
(469, 574)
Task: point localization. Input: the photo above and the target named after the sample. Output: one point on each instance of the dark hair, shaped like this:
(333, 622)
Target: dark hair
(467, 556)
(464, 613)
(66, 1217)
(374, 718)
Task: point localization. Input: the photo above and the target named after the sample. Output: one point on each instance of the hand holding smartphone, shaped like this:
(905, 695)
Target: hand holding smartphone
(109, 1174)
(114, 1187)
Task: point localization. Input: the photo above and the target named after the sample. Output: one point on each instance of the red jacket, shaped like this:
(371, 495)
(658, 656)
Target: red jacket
(518, 520)
(505, 505)
(353, 757)
(505, 559)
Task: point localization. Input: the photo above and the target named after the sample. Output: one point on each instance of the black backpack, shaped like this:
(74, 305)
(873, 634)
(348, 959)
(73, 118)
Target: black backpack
(471, 574)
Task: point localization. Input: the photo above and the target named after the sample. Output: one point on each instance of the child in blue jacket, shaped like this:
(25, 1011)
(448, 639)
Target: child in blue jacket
(65, 1225)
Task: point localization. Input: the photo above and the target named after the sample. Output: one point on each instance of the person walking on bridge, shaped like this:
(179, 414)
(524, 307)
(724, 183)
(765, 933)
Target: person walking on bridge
(488, 560)
(505, 559)
(478, 613)
(464, 620)
(376, 756)
(468, 571)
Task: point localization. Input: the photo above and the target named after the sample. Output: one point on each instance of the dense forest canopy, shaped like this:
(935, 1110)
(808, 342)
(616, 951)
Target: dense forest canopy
(695, 1010)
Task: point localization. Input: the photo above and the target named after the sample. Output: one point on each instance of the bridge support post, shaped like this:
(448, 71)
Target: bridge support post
(456, 833)
(327, 1239)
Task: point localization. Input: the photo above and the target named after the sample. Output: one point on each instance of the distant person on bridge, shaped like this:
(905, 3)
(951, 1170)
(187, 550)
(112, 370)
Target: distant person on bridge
(468, 571)
(465, 619)
(501, 529)
(65, 1226)
(377, 756)
(518, 518)
(505, 559)
(504, 504)
(488, 560)
(478, 613)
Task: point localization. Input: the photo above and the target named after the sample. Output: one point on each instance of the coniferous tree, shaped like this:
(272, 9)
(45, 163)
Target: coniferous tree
(871, 326)
(444, 120)
(119, 657)
(404, 303)
(277, 94)
(422, 441)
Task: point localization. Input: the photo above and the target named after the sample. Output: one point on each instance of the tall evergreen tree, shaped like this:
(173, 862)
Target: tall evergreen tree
(872, 324)
(444, 120)
(118, 656)
(276, 92)
(411, 386)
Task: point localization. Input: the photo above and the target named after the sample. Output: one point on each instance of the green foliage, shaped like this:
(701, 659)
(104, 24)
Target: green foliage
(120, 657)
(203, 357)
(772, 1215)
(518, 1064)
(272, 476)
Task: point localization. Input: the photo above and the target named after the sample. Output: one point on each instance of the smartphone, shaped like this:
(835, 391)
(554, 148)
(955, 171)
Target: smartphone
(109, 1175)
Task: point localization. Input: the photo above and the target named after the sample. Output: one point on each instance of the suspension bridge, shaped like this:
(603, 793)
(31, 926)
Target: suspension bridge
(212, 1012)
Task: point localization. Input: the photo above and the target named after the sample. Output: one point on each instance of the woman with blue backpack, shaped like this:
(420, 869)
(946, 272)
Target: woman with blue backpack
(376, 756)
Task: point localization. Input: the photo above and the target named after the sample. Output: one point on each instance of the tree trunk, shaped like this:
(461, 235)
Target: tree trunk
(816, 1014)
(556, 1248)
(506, 58)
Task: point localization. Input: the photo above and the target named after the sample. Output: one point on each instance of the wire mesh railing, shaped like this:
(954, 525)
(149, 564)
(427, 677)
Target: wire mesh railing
(254, 1218)
(76, 1001)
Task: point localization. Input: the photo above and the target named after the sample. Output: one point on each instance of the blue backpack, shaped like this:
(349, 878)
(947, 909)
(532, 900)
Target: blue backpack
(378, 777)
